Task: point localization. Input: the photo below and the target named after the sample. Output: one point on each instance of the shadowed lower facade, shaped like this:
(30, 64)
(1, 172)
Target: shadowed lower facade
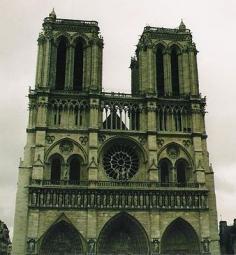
(113, 173)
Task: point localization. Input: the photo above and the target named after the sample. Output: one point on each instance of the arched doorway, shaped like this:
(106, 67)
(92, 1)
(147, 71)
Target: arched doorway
(123, 235)
(180, 238)
(62, 239)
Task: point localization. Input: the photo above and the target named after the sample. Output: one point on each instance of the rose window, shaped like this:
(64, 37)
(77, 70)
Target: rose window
(121, 162)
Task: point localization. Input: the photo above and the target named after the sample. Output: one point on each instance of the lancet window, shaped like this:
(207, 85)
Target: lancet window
(175, 71)
(61, 64)
(74, 170)
(78, 65)
(165, 171)
(182, 172)
(160, 71)
(56, 163)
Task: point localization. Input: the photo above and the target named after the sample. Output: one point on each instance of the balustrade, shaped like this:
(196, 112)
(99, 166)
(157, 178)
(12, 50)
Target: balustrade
(113, 184)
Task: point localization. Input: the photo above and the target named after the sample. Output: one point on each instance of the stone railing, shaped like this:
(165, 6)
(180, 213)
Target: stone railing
(164, 30)
(72, 22)
(54, 198)
(114, 184)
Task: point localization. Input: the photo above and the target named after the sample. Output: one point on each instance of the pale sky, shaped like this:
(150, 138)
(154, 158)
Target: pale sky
(213, 25)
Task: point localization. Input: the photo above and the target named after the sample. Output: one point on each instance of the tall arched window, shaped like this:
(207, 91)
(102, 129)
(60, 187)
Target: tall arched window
(61, 64)
(181, 172)
(55, 169)
(160, 71)
(74, 174)
(78, 65)
(165, 167)
(174, 71)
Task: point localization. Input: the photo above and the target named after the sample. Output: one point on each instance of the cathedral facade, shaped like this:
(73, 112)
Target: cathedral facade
(114, 173)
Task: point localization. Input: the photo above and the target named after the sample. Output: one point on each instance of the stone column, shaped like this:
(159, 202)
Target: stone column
(96, 48)
(87, 67)
(173, 175)
(47, 61)
(142, 70)
(180, 69)
(193, 70)
(93, 139)
(167, 72)
(69, 79)
(39, 67)
(151, 140)
(186, 78)
(150, 71)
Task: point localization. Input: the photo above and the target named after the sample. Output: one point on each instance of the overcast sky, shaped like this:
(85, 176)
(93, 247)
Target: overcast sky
(213, 24)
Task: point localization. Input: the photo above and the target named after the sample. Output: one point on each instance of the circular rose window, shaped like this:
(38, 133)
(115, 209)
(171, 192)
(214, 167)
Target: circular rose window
(121, 162)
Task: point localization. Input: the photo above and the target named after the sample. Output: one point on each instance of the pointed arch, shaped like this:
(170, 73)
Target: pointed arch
(183, 153)
(61, 62)
(78, 64)
(78, 149)
(174, 52)
(80, 35)
(180, 238)
(182, 171)
(56, 162)
(160, 70)
(74, 163)
(123, 234)
(62, 238)
(165, 167)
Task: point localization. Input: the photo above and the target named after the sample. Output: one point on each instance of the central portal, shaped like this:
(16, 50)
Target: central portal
(122, 235)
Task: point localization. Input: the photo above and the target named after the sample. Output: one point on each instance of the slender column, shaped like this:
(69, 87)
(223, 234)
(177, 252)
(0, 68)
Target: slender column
(47, 62)
(95, 67)
(70, 67)
(186, 78)
(180, 67)
(167, 72)
(173, 175)
(150, 78)
(38, 79)
(193, 70)
(140, 60)
(87, 67)
(143, 70)
(100, 66)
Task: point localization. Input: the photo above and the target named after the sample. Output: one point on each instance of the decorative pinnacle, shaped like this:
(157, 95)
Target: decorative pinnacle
(52, 14)
(182, 26)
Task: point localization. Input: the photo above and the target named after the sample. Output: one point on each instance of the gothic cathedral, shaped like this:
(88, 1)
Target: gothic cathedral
(114, 173)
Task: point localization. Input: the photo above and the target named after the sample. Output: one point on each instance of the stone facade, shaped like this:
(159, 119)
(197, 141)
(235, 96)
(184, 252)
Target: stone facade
(227, 238)
(114, 173)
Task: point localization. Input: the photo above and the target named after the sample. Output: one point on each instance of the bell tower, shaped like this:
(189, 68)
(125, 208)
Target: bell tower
(69, 55)
(165, 63)
(114, 173)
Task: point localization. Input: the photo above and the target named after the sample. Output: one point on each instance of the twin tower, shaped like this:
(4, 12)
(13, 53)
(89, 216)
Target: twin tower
(113, 173)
